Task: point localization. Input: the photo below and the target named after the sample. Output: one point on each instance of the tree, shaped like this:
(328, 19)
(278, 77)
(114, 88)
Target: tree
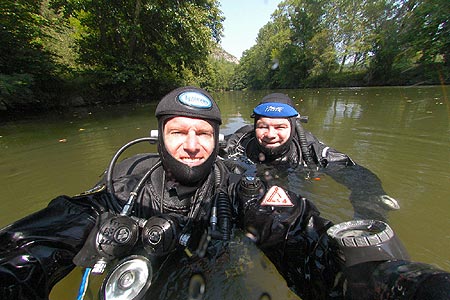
(25, 65)
(143, 46)
(426, 30)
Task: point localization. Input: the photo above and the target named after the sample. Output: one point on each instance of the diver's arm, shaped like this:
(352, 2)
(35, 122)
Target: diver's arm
(369, 199)
(295, 239)
(36, 251)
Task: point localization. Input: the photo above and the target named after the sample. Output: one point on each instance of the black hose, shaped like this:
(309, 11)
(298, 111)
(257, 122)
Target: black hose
(109, 173)
(224, 215)
(303, 143)
(217, 175)
(221, 209)
(133, 194)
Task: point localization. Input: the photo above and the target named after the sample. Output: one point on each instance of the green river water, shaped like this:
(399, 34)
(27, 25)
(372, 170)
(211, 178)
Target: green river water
(400, 133)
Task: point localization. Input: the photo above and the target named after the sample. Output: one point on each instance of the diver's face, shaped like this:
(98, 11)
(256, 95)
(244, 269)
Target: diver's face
(272, 132)
(189, 140)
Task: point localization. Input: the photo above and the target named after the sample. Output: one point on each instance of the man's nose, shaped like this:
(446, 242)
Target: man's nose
(271, 132)
(191, 143)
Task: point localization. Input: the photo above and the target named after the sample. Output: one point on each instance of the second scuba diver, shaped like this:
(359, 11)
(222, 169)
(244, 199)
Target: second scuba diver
(277, 137)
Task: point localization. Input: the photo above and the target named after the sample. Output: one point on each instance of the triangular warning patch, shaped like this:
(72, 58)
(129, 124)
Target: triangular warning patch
(276, 196)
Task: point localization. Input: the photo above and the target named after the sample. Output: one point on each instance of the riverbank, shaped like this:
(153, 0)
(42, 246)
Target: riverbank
(89, 92)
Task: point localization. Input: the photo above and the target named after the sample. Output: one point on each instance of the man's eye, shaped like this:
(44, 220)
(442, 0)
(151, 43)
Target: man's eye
(176, 133)
(205, 134)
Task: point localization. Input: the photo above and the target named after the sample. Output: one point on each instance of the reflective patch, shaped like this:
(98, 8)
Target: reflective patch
(275, 110)
(195, 100)
(325, 151)
(277, 196)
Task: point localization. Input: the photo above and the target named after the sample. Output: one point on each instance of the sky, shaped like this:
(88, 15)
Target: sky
(243, 19)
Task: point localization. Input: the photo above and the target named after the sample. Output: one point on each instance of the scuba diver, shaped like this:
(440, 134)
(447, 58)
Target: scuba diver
(278, 138)
(154, 220)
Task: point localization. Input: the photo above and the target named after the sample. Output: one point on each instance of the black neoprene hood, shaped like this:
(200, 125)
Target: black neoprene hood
(189, 102)
(274, 98)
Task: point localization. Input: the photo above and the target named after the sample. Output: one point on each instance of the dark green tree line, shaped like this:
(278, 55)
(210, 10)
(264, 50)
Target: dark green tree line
(26, 67)
(133, 50)
(122, 50)
(144, 47)
(350, 42)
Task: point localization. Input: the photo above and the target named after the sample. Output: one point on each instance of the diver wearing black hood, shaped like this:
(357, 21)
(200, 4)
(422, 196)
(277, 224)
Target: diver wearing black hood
(149, 200)
(188, 102)
(175, 186)
(303, 149)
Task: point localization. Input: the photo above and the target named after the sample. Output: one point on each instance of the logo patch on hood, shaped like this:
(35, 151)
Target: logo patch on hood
(275, 110)
(195, 100)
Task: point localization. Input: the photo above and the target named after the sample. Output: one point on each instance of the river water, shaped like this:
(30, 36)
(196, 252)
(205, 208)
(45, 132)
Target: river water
(400, 133)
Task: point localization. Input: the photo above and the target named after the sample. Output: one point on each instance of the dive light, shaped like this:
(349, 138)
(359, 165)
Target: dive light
(362, 241)
(129, 279)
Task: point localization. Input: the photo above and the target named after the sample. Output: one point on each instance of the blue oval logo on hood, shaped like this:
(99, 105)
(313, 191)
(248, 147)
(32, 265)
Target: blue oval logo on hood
(195, 100)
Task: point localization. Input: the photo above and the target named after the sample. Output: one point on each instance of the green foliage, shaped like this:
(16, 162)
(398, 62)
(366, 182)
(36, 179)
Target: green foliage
(220, 74)
(307, 42)
(27, 68)
(425, 30)
(21, 38)
(147, 44)
(15, 89)
(121, 50)
(60, 39)
(131, 50)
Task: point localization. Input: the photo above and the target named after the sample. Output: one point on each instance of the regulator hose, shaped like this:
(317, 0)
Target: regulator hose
(303, 143)
(109, 172)
(224, 215)
(221, 208)
(133, 195)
